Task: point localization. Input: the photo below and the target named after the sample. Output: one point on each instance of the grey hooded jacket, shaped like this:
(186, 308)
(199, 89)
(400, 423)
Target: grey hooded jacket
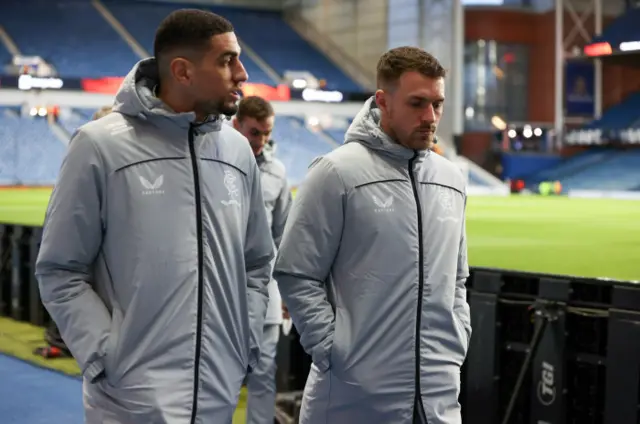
(372, 268)
(277, 201)
(155, 261)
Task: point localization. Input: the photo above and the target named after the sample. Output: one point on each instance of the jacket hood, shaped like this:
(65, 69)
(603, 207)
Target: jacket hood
(136, 98)
(365, 129)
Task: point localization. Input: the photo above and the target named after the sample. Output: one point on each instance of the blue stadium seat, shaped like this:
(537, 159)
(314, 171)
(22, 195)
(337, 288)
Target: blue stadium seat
(142, 20)
(70, 34)
(620, 116)
(30, 154)
(297, 147)
(620, 171)
(5, 57)
(284, 49)
(570, 166)
(264, 31)
(336, 134)
(78, 117)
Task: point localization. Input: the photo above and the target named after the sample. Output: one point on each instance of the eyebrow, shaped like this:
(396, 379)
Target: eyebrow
(429, 99)
(230, 53)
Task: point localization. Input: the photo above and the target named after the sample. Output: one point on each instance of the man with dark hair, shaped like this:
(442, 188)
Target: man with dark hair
(373, 262)
(156, 252)
(255, 120)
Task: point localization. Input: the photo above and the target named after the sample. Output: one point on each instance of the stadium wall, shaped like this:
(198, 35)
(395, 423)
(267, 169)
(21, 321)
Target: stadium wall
(537, 31)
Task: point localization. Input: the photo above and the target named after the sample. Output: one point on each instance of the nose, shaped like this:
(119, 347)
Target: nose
(241, 73)
(429, 114)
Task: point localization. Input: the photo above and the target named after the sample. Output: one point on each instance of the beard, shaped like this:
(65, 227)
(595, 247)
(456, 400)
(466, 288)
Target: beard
(215, 108)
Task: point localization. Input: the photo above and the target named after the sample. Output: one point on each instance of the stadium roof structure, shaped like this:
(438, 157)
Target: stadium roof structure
(619, 41)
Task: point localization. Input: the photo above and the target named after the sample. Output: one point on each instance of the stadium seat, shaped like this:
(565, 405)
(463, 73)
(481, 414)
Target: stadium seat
(336, 134)
(569, 166)
(297, 147)
(141, 20)
(5, 57)
(30, 154)
(71, 35)
(264, 31)
(76, 118)
(619, 171)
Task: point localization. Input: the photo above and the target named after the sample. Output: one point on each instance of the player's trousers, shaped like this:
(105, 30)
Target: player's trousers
(261, 383)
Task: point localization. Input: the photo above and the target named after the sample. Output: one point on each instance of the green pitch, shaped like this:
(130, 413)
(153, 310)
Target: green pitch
(583, 237)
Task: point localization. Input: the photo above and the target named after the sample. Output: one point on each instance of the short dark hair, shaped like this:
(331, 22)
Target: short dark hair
(187, 29)
(399, 60)
(254, 107)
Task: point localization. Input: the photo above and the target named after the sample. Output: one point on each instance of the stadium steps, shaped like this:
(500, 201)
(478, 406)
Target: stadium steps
(60, 133)
(121, 30)
(336, 134)
(255, 57)
(478, 176)
(8, 48)
(338, 56)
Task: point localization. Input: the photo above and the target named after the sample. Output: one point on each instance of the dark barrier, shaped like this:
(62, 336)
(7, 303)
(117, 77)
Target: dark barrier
(545, 349)
(19, 294)
(550, 349)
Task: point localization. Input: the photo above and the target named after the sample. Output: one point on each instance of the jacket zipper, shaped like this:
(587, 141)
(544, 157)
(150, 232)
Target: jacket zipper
(418, 396)
(196, 181)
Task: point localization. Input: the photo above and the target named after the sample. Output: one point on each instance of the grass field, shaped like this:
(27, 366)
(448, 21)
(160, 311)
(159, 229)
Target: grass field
(583, 237)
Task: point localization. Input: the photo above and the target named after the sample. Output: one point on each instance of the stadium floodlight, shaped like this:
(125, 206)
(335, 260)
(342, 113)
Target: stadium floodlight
(469, 112)
(628, 46)
(299, 83)
(498, 122)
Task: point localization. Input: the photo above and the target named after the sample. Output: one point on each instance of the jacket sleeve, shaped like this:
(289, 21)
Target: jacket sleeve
(71, 240)
(258, 253)
(461, 306)
(280, 213)
(309, 246)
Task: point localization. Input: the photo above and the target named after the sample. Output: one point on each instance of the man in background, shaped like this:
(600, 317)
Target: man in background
(373, 262)
(103, 111)
(255, 120)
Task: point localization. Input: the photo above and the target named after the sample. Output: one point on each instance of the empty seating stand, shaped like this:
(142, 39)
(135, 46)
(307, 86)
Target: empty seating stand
(70, 34)
(30, 154)
(142, 19)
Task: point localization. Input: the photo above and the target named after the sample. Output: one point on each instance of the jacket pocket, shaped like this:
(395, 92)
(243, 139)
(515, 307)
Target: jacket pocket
(112, 347)
(463, 336)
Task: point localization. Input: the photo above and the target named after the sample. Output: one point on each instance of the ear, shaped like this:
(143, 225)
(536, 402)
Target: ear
(236, 124)
(381, 100)
(181, 70)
